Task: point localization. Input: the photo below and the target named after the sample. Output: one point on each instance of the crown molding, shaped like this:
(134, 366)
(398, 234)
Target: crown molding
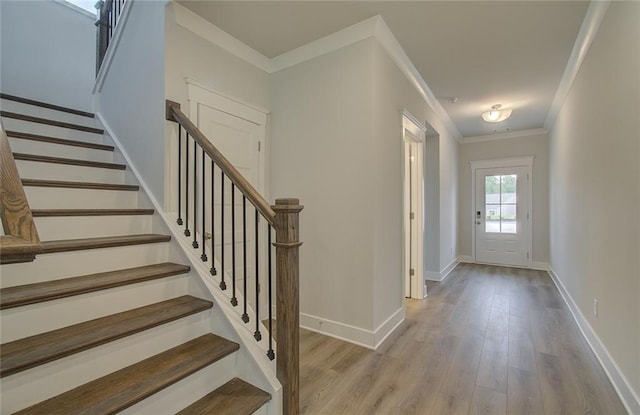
(337, 40)
(207, 30)
(391, 45)
(505, 135)
(373, 27)
(586, 35)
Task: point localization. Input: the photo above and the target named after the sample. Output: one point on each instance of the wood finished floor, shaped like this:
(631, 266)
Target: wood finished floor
(488, 340)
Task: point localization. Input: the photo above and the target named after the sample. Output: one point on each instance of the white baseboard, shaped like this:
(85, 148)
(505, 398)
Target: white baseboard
(444, 273)
(542, 266)
(623, 387)
(370, 339)
(539, 265)
(465, 258)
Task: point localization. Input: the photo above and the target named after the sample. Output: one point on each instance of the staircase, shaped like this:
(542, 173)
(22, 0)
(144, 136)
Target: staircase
(108, 318)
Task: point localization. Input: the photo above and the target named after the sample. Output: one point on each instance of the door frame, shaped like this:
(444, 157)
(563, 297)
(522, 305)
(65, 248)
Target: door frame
(526, 162)
(413, 133)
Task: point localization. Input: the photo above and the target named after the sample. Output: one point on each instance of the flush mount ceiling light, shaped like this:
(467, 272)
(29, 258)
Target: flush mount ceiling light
(496, 114)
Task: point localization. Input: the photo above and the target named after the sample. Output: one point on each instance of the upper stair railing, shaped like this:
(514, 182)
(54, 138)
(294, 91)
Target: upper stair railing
(212, 203)
(19, 241)
(109, 12)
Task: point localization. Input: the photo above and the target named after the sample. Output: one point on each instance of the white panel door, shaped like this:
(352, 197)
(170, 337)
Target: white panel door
(501, 216)
(239, 141)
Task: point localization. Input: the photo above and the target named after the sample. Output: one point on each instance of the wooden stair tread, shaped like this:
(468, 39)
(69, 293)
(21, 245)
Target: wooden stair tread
(47, 121)
(61, 141)
(66, 245)
(41, 213)
(71, 162)
(46, 105)
(33, 351)
(235, 397)
(79, 185)
(50, 290)
(121, 389)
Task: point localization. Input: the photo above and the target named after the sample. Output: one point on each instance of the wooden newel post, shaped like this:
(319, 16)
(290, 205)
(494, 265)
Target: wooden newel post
(288, 301)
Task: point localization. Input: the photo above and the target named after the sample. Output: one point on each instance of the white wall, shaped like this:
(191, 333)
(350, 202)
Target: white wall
(321, 153)
(537, 146)
(595, 188)
(431, 256)
(393, 93)
(189, 55)
(132, 96)
(448, 201)
(337, 144)
(47, 53)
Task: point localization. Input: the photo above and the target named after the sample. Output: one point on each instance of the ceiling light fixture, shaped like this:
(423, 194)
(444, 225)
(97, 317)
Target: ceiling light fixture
(496, 114)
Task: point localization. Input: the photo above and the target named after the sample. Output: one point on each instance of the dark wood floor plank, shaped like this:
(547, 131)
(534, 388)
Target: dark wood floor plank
(66, 245)
(235, 397)
(33, 351)
(71, 162)
(121, 389)
(41, 213)
(55, 123)
(439, 355)
(46, 105)
(523, 396)
(50, 290)
(61, 141)
(79, 185)
(488, 402)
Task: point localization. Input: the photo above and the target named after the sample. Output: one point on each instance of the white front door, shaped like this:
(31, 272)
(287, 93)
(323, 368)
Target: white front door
(501, 215)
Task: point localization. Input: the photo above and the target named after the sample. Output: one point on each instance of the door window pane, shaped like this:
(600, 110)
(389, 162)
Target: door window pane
(501, 203)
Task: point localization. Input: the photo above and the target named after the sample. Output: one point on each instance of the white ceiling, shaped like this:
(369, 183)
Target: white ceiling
(482, 52)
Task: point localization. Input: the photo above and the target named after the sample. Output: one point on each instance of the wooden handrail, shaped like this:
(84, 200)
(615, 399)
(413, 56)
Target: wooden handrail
(173, 113)
(20, 243)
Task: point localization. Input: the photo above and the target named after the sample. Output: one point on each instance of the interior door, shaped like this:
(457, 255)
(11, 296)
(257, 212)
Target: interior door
(239, 141)
(501, 216)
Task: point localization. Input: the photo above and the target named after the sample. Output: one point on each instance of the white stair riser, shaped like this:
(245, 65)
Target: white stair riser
(50, 114)
(72, 227)
(34, 385)
(26, 321)
(11, 124)
(19, 145)
(70, 198)
(71, 264)
(182, 394)
(65, 172)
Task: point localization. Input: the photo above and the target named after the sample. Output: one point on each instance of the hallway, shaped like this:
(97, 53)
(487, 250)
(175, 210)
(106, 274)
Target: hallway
(488, 340)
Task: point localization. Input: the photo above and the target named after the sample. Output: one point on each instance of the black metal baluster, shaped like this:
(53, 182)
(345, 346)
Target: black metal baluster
(194, 244)
(257, 334)
(203, 257)
(223, 285)
(179, 221)
(234, 300)
(270, 352)
(213, 219)
(187, 233)
(245, 316)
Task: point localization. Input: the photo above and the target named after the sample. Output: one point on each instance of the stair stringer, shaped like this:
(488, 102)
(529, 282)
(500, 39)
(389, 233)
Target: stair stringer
(252, 363)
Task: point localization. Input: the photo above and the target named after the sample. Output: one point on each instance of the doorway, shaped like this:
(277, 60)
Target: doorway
(502, 201)
(413, 138)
